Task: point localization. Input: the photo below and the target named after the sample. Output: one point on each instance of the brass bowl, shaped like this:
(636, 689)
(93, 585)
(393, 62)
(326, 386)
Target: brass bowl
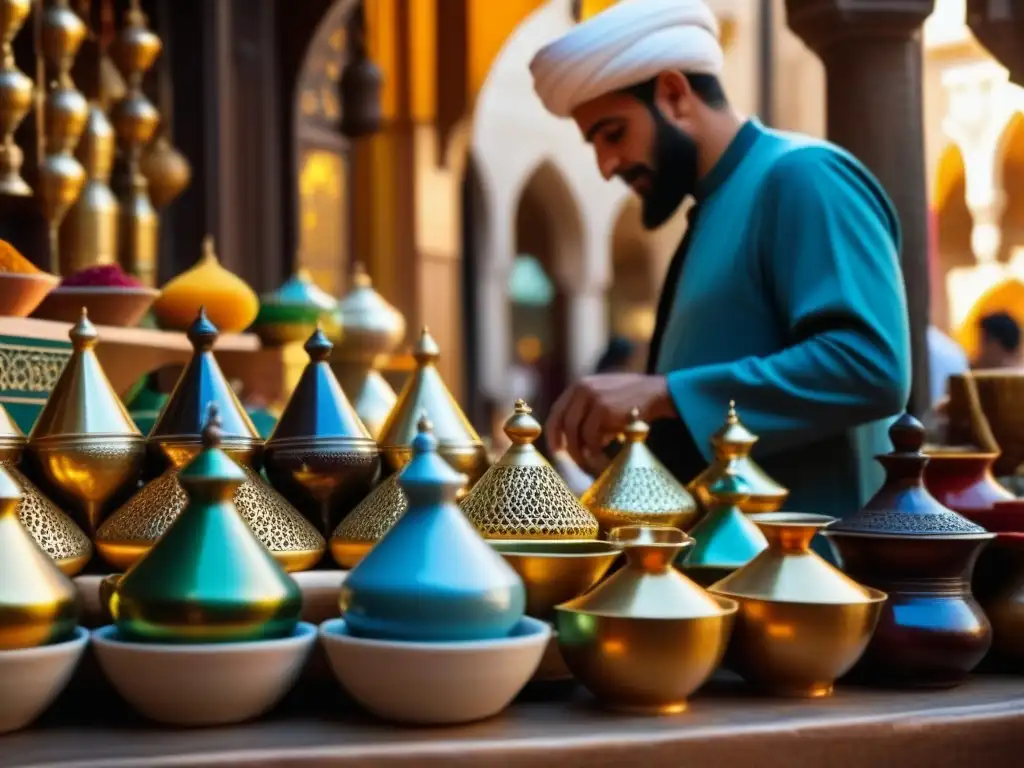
(556, 571)
(121, 307)
(799, 649)
(21, 293)
(646, 666)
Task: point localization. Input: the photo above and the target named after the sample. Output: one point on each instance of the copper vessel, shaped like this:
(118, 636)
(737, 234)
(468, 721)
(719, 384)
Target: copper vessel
(370, 328)
(985, 409)
(84, 446)
(802, 624)
(176, 438)
(646, 638)
(731, 446)
(425, 393)
(932, 632)
(1003, 599)
(522, 496)
(725, 537)
(636, 488)
(368, 522)
(38, 603)
(52, 530)
(208, 579)
(320, 455)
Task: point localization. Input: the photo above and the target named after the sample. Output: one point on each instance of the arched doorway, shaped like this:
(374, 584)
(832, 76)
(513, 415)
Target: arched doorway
(548, 261)
(953, 223)
(1012, 223)
(634, 294)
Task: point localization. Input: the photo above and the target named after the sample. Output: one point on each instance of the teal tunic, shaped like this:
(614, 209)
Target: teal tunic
(791, 302)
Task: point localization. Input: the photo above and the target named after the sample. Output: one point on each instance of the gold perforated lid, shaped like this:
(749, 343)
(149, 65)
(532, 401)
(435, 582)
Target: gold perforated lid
(522, 496)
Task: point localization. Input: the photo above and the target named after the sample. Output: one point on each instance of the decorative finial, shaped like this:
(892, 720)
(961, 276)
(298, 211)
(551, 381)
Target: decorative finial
(209, 249)
(202, 333)
(732, 417)
(83, 334)
(212, 433)
(424, 442)
(426, 350)
(637, 429)
(318, 346)
(907, 434)
(303, 275)
(423, 425)
(360, 277)
(522, 428)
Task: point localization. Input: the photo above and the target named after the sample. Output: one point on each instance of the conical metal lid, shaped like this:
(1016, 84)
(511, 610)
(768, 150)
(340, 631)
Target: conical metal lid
(368, 522)
(725, 536)
(648, 587)
(903, 506)
(201, 384)
(426, 394)
(208, 578)
(12, 439)
(637, 487)
(82, 401)
(318, 408)
(522, 496)
(789, 571)
(370, 326)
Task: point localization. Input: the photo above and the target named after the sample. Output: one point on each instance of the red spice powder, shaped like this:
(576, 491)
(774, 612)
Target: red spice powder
(103, 276)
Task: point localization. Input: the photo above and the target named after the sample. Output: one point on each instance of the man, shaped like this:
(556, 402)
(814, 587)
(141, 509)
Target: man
(785, 295)
(1000, 342)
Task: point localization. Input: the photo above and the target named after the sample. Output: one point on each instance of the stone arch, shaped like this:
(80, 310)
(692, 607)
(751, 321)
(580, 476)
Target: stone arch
(548, 208)
(320, 151)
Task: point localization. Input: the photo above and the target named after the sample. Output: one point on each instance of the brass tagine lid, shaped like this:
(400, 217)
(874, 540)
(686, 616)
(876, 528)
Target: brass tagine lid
(426, 394)
(649, 587)
(368, 522)
(38, 603)
(208, 579)
(318, 408)
(788, 570)
(370, 326)
(903, 506)
(522, 496)
(731, 446)
(178, 428)
(82, 401)
(51, 528)
(725, 537)
(637, 488)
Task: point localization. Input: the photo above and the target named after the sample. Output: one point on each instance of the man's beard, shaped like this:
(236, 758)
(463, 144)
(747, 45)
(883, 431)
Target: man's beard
(673, 175)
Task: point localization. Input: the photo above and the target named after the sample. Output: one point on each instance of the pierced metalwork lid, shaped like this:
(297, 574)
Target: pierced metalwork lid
(903, 506)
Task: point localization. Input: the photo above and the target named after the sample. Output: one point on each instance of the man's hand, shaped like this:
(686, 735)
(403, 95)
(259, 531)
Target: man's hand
(596, 409)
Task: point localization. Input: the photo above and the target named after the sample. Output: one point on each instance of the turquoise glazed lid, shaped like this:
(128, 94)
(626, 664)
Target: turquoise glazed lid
(432, 578)
(299, 300)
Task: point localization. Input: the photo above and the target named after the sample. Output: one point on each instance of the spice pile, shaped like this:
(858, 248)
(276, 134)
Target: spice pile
(103, 276)
(12, 261)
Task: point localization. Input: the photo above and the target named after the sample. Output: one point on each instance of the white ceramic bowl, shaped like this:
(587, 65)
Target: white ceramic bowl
(31, 678)
(435, 683)
(208, 684)
(320, 593)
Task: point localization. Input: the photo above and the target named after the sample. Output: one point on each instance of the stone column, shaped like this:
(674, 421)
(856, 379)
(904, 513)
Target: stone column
(588, 329)
(873, 62)
(999, 26)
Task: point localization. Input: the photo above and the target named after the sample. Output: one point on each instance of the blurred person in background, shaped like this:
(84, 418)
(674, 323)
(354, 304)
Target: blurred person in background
(1000, 342)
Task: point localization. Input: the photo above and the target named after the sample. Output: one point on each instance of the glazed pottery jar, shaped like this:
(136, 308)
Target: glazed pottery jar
(932, 631)
(962, 480)
(432, 578)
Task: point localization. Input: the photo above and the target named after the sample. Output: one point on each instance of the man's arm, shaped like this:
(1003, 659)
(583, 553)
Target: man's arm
(829, 242)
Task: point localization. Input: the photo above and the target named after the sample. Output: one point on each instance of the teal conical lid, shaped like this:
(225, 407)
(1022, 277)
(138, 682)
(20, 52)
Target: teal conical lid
(725, 537)
(318, 408)
(208, 579)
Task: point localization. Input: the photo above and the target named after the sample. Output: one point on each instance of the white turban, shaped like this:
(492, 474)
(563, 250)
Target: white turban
(627, 44)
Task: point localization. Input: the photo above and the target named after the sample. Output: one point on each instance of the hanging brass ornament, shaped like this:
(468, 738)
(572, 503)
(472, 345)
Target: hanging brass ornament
(133, 529)
(370, 328)
(522, 496)
(166, 169)
(208, 579)
(637, 489)
(731, 446)
(361, 83)
(426, 393)
(38, 603)
(84, 445)
(320, 454)
(16, 93)
(52, 530)
(135, 119)
(61, 176)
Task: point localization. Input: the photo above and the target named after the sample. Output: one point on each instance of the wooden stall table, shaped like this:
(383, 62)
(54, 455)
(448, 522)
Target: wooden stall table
(978, 724)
